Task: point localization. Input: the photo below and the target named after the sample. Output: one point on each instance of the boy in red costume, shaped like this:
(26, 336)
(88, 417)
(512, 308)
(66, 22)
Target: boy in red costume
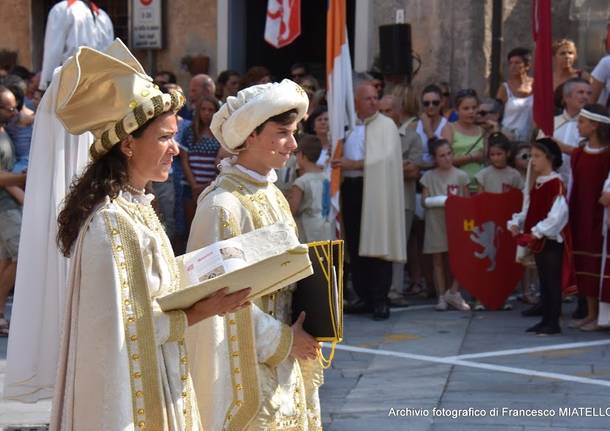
(541, 226)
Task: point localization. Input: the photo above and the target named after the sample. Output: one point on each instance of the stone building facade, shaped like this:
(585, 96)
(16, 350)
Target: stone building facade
(452, 37)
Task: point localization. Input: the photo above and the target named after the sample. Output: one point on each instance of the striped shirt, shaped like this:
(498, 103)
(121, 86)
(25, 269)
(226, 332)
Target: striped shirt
(201, 156)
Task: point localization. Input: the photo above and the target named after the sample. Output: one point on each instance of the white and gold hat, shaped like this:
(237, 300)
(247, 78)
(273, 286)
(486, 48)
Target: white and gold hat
(110, 95)
(251, 107)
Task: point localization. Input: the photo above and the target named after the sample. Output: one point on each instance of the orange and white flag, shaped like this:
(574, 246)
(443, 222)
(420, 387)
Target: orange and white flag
(339, 95)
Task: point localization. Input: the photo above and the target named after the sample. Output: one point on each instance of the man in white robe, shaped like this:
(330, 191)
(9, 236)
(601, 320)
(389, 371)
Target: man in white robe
(71, 24)
(372, 203)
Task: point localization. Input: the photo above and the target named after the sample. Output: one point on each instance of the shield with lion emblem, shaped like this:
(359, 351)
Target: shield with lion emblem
(481, 248)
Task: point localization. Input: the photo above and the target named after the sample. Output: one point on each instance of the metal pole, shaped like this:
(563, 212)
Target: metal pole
(151, 62)
(496, 47)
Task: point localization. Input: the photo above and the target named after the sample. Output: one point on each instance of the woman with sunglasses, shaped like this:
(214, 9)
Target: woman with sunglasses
(517, 95)
(465, 135)
(431, 121)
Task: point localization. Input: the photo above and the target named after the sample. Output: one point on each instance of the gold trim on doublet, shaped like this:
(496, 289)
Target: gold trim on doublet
(244, 371)
(283, 348)
(138, 325)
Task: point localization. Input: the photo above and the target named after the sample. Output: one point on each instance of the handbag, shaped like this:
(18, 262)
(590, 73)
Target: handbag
(320, 295)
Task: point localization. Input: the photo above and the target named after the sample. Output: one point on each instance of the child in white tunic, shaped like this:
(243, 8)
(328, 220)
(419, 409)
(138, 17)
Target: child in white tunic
(439, 182)
(309, 196)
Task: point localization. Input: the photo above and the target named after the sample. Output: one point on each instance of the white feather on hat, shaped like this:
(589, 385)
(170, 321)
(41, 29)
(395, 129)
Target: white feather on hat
(241, 114)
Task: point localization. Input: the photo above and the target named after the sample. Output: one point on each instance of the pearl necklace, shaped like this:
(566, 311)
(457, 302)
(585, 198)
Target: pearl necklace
(133, 190)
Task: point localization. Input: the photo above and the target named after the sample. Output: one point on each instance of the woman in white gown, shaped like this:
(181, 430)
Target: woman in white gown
(122, 360)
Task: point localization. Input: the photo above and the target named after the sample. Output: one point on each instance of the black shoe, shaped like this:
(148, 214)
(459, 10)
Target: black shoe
(358, 307)
(550, 329)
(536, 327)
(381, 312)
(534, 310)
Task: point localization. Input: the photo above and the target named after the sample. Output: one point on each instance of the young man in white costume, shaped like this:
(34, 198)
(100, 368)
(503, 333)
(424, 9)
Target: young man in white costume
(251, 370)
(70, 25)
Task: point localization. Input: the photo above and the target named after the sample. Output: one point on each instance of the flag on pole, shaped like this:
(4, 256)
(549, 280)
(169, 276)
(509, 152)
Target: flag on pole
(283, 24)
(339, 94)
(543, 66)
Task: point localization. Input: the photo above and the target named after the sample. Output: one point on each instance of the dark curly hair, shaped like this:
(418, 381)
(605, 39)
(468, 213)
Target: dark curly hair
(102, 177)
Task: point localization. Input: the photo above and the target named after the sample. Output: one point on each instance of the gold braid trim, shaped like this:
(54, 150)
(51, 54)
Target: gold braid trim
(229, 227)
(119, 129)
(146, 215)
(244, 368)
(140, 115)
(144, 369)
(106, 144)
(283, 348)
(177, 325)
(157, 102)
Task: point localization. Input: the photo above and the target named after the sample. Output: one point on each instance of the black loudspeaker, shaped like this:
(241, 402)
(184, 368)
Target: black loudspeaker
(395, 50)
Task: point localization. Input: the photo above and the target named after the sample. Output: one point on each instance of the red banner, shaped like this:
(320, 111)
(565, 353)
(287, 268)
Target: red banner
(543, 66)
(481, 249)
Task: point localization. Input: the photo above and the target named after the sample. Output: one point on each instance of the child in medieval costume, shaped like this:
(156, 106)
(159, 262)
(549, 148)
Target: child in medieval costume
(541, 226)
(591, 248)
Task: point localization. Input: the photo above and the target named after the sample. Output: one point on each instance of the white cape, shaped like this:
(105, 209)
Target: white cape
(38, 306)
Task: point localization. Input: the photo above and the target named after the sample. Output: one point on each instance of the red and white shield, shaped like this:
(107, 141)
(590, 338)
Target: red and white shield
(283, 23)
(481, 249)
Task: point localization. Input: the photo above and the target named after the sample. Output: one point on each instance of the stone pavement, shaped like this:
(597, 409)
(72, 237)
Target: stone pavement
(361, 388)
(421, 367)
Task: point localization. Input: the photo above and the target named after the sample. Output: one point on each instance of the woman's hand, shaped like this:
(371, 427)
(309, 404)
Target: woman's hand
(514, 230)
(304, 346)
(220, 302)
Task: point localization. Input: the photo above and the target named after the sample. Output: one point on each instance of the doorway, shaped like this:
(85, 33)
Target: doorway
(309, 48)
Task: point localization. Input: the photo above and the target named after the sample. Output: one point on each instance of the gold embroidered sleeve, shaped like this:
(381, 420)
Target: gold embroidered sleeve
(177, 325)
(229, 227)
(283, 348)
